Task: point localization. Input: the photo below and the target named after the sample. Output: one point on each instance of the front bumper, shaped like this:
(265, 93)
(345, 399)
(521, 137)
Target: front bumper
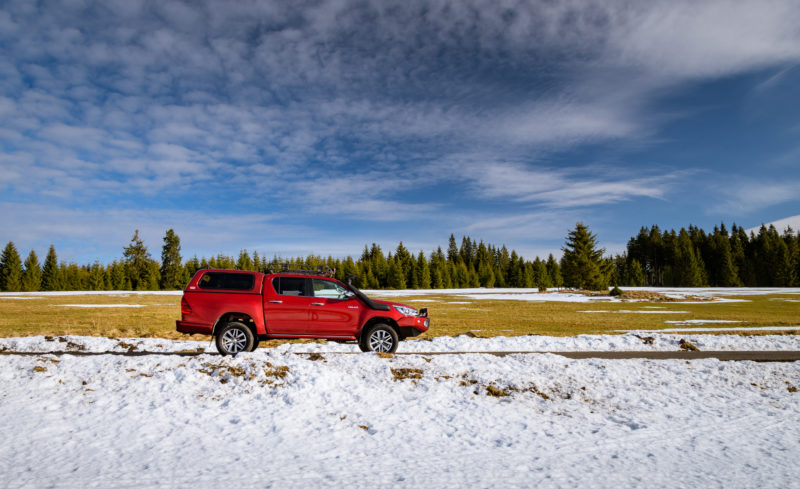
(413, 325)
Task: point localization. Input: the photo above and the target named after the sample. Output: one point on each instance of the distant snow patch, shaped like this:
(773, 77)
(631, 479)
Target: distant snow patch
(704, 321)
(650, 311)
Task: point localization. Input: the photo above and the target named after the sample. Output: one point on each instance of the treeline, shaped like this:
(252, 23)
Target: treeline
(684, 258)
(691, 258)
(471, 264)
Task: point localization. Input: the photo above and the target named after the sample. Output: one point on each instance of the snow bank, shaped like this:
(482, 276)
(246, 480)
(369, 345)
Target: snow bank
(272, 419)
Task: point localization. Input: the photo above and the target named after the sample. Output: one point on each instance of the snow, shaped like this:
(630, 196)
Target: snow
(692, 330)
(639, 311)
(703, 321)
(344, 421)
(463, 343)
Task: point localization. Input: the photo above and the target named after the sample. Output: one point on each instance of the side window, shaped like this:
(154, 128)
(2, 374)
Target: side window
(328, 289)
(289, 285)
(227, 281)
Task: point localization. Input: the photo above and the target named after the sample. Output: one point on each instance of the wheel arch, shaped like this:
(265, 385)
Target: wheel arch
(381, 320)
(241, 317)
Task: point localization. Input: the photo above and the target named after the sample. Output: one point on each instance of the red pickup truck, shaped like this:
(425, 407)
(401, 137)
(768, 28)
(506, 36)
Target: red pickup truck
(240, 308)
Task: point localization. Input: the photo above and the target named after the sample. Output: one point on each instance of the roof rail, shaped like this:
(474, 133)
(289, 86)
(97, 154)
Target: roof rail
(300, 268)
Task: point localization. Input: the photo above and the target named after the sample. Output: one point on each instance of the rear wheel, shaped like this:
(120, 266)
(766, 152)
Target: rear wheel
(380, 338)
(234, 338)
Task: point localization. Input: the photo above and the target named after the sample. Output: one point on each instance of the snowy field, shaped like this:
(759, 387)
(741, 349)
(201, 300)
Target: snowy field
(314, 415)
(278, 419)
(633, 341)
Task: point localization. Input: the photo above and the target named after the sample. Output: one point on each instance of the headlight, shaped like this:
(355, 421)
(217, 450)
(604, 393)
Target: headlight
(406, 311)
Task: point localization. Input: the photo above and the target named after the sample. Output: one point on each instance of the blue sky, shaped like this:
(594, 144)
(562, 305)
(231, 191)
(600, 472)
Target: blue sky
(297, 127)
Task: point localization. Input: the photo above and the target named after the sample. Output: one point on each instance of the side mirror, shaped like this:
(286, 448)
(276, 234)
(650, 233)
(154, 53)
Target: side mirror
(349, 294)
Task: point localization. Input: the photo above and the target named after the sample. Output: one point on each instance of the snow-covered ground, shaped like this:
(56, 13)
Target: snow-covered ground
(277, 419)
(631, 341)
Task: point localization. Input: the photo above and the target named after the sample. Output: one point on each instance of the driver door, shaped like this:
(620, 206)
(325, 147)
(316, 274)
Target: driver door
(333, 312)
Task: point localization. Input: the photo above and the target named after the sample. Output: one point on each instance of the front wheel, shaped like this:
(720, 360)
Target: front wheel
(380, 338)
(234, 338)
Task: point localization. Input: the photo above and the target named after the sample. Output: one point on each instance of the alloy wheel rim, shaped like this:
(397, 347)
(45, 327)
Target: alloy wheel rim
(234, 340)
(380, 341)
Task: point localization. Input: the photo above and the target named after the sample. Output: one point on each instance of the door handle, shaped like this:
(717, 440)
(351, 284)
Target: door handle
(317, 303)
(276, 302)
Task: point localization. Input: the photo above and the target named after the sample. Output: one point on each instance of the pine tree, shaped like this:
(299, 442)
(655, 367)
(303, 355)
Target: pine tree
(397, 279)
(540, 276)
(554, 270)
(452, 250)
(32, 274)
(173, 274)
(97, 277)
(244, 262)
(486, 275)
(51, 277)
(635, 275)
(406, 263)
(423, 271)
(116, 276)
(686, 269)
(10, 269)
(582, 265)
(461, 279)
(138, 264)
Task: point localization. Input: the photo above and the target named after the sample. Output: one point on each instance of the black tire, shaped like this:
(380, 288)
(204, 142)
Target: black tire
(256, 341)
(380, 338)
(234, 338)
(362, 345)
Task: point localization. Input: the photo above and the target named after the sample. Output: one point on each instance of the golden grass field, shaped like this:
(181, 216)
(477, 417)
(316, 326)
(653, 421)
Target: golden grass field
(450, 315)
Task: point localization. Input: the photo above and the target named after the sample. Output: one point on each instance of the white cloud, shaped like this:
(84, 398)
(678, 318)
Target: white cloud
(344, 108)
(749, 197)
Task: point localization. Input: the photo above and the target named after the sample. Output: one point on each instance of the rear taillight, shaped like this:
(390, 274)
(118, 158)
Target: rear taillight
(185, 307)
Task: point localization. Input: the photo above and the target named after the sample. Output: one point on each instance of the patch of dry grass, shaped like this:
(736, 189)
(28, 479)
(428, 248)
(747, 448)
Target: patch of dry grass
(480, 318)
(406, 373)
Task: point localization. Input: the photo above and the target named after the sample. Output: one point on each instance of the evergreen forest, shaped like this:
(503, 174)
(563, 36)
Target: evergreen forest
(686, 258)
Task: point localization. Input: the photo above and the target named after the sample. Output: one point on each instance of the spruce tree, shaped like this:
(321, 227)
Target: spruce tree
(51, 277)
(686, 268)
(397, 279)
(486, 275)
(541, 278)
(10, 269)
(138, 264)
(244, 262)
(582, 265)
(424, 271)
(554, 270)
(32, 274)
(452, 250)
(635, 275)
(173, 274)
(97, 277)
